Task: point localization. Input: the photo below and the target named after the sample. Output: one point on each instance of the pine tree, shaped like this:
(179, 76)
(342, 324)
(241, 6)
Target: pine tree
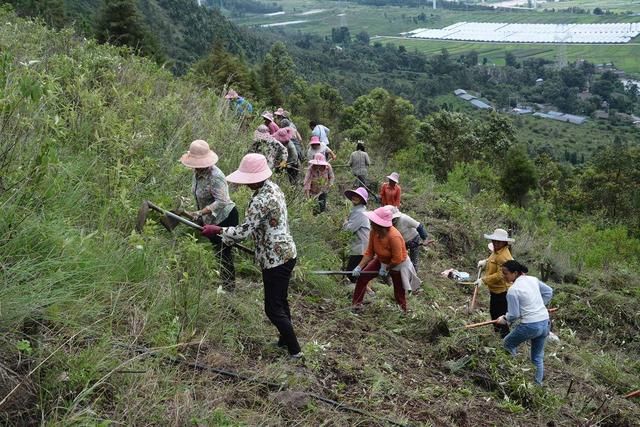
(518, 175)
(220, 69)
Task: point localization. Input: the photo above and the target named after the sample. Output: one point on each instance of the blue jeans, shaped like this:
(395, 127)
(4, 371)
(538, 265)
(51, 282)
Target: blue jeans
(536, 332)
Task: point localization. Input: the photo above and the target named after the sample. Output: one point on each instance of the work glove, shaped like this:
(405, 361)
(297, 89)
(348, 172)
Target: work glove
(478, 282)
(283, 164)
(356, 271)
(211, 230)
(482, 263)
(383, 272)
(501, 320)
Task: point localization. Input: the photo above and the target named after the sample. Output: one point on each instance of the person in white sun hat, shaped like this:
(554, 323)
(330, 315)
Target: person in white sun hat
(266, 222)
(494, 278)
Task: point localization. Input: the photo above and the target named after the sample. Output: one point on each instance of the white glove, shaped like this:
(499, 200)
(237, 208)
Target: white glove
(482, 263)
(478, 282)
(356, 271)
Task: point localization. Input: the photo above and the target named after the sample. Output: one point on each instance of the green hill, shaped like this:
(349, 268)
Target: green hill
(101, 325)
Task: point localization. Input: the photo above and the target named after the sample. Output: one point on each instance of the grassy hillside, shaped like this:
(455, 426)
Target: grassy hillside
(100, 325)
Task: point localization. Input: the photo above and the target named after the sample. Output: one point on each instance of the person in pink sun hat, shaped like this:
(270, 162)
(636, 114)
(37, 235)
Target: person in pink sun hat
(266, 222)
(358, 225)
(270, 122)
(316, 146)
(318, 179)
(386, 253)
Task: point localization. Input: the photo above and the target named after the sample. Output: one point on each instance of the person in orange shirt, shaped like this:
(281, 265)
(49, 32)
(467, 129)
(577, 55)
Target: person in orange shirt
(391, 191)
(386, 253)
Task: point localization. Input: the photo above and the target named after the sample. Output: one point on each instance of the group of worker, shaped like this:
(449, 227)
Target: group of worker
(385, 241)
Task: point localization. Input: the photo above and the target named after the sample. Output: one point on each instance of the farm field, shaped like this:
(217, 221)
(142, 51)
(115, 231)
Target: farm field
(625, 57)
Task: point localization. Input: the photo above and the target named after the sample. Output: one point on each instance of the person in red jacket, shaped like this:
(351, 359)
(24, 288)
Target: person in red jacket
(390, 192)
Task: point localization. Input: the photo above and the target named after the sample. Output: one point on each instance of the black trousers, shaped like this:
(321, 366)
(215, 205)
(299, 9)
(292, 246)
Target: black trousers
(498, 307)
(352, 262)
(276, 305)
(322, 204)
(225, 253)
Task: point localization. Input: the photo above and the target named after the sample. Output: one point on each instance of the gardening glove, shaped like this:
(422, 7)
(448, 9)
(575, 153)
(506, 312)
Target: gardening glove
(356, 271)
(383, 272)
(283, 164)
(478, 282)
(482, 263)
(210, 230)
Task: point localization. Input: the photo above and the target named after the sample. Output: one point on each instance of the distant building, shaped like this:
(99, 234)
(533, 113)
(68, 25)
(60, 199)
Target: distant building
(520, 111)
(539, 82)
(562, 117)
(466, 97)
(481, 105)
(459, 92)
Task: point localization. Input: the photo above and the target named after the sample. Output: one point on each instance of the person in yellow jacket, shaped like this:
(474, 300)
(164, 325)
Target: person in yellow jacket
(493, 277)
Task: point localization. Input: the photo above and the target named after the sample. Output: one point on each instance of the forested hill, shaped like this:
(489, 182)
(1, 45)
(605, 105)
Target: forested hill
(182, 30)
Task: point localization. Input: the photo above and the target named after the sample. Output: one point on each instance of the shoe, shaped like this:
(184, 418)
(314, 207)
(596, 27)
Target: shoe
(296, 356)
(553, 337)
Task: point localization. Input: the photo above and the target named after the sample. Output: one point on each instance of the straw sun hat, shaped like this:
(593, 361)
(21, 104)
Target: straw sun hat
(199, 155)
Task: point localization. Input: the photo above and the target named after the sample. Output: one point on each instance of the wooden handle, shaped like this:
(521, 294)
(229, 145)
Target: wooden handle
(632, 394)
(475, 325)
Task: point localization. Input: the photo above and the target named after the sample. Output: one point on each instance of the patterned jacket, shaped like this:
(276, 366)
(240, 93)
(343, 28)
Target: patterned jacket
(266, 221)
(210, 190)
(272, 150)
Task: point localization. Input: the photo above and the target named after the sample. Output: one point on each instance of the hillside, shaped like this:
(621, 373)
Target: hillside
(101, 325)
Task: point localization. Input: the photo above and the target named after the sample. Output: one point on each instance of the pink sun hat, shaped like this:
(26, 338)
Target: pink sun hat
(199, 155)
(381, 216)
(314, 140)
(262, 133)
(279, 112)
(360, 192)
(267, 115)
(232, 94)
(253, 169)
(395, 177)
(283, 135)
(318, 160)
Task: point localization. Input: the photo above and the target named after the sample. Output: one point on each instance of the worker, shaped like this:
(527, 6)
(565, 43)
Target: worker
(214, 205)
(391, 191)
(270, 122)
(291, 165)
(321, 131)
(266, 221)
(318, 180)
(494, 278)
(359, 163)
(296, 138)
(386, 253)
(241, 106)
(413, 233)
(358, 224)
(263, 143)
(315, 147)
(526, 301)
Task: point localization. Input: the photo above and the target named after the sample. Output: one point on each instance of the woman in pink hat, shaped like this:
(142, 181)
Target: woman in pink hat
(315, 147)
(317, 181)
(391, 192)
(358, 224)
(275, 251)
(270, 122)
(284, 135)
(211, 193)
(265, 144)
(386, 254)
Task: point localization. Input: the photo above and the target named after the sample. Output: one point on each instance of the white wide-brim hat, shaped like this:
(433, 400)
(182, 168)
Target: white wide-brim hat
(253, 169)
(199, 155)
(500, 235)
(395, 177)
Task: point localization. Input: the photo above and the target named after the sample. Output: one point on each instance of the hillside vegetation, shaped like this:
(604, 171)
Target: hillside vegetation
(103, 326)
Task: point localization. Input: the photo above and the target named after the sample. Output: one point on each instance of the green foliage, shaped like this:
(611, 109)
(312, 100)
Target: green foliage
(518, 175)
(221, 69)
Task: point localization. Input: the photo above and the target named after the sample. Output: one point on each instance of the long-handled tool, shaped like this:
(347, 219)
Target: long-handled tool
(472, 304)
(632, 394)
(491, 322)
(340, 273)
(144, 210)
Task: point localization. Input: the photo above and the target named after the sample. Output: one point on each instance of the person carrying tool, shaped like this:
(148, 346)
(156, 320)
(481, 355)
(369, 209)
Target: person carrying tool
(318, 180)
(526, 300)
(358, 224)
(359, 163)
(283, 135)
(412, 231)
(321, 131)
(385, 253)
(391, 192)
(266, 222)
(211, 194)
(265, 144)
(494, 278)
(315, 147)
(269, 122)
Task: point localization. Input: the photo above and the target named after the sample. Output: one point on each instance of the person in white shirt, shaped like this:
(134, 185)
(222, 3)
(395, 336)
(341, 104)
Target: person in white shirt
(321, 131)
(526, 301)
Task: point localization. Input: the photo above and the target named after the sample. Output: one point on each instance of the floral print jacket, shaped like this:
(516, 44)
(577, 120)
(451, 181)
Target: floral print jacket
(266, 221)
